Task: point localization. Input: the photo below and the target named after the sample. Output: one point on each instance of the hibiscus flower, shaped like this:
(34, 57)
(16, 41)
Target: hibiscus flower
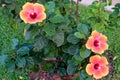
(97, 42)
(97, 67)
(33, 13)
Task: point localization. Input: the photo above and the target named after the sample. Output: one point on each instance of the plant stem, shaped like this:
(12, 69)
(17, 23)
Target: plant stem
(51, 60)
(76, 13)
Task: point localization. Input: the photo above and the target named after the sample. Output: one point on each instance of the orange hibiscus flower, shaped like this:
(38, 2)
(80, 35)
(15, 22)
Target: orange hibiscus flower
(97, 67)
(97, 42)
(33, 13)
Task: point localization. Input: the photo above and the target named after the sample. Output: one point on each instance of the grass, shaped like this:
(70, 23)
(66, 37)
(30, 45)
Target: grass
(18, 75)
(114, 44)
(7, 33)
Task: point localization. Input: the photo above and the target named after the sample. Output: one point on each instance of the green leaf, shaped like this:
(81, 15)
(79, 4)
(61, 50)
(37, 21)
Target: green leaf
(98, 26)
(15, 43)
(1, 9)
(62, 71)
(50, 7)
(72, 39)
(11, 6)
(8, 1)
(29, 45)
(77, 59)
(71, 68)
(83, 75)
(84, 53)
(51, 50)
(117, 5)
(50, 29)
(83, 28)
(3, 59)
(21, 62)
(10, 66)
(51, 72)
(58, 38)
(90, 78)
(76, 78)
(27, 34)
(23, 51)
(47, 66)
(104, 16)
(65, 28)
(31, 31)
(57, 19)
(72, 50)
(80, 35)
(30, 61)
(103, 5)
(40, 42)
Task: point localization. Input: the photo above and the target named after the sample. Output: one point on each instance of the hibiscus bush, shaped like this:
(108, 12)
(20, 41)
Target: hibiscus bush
(63, 40)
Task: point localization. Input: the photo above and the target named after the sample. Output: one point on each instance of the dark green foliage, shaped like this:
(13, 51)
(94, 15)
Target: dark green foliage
(3, 58)
(84, 53)
(61, 36)
(71, 67)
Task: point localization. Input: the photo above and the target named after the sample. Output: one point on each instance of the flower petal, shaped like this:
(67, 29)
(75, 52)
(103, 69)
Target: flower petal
(39, 8)
(98, 75)
(28, 6)
(95, 34)
(103, 61)
(95, 59)
(105, 70)
(23, 16)
(89, 69)
(89, 43)
(104, 46)
(31, 21)
(98, 50)
(41, 17)
(103, 38)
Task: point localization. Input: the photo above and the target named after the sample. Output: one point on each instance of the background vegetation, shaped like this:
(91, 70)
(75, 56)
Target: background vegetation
(12, 39)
